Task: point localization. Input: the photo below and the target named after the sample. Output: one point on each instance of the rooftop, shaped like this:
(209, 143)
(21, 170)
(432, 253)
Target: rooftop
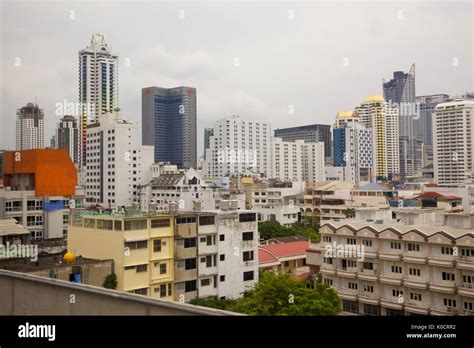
(272, 252)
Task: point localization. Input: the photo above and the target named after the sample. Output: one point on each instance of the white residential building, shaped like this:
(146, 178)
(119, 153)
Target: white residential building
(237, 252)
(399, 269)
(238, 147)
(98, 84)
(30, 127)
(313, 162)
(188, 191)
(453, 142)
(116, 162)
(382, 117)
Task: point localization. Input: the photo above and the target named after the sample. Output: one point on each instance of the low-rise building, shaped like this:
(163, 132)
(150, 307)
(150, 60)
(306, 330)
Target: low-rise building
(284, 257)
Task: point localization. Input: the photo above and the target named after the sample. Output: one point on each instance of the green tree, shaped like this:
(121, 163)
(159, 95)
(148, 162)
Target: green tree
(350, 213)
(272, 228)
(282, 294)
(110, 281)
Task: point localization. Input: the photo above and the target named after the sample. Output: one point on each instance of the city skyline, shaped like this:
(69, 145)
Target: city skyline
(225, 87)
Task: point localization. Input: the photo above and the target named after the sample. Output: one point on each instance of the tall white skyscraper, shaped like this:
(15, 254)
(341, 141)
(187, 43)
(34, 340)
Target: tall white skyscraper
(379, 115)
(453, 141)
(30, 127)
(98, 84)
(239, 146)
(116, 162)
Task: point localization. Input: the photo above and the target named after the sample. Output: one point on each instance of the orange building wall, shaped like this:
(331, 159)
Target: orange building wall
(55, 173)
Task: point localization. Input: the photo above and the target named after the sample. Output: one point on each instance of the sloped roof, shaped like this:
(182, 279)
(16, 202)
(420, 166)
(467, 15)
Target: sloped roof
(436, 195)
(272, 252)
(373, 187)
(167, 179)
(10, 227)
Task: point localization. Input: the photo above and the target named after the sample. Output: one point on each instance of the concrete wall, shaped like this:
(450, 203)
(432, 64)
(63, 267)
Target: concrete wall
(25, 294)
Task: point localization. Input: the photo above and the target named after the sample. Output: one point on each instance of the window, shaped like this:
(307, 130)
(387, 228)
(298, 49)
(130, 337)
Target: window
(468, 279)
(367, 243)
(350, 306)
(449, 302)
(190, 285)
(247, 236)
(396, 269)
(327, 281)
(36, 234)
(327, 260)
(327, 239)
(31, 205)
(162, 290)
(447, 276)
(186, 220)
(413, 247)
(351, 241)
(222, 278)
(373, 310)
(414, 272)
(247, 217)
(14, 206)
(467, 252)
(415, 296)
(368, 288)
(157, 245)
(34, 220)
(468, 306)
(143, 291)
(222, 257)
(247, 255)
(163, 268)
(395, 245)
(157, 223)
(141, 268)
(132, 225)
(190, 242)
(352, 285)
(248, 276)
(210, 240)
(206, 220)
(118, 225)
(206, 282)
(368, 265)
(189, 264)
(397, 293)
(137, 245)
(447, 250)
(222, 237)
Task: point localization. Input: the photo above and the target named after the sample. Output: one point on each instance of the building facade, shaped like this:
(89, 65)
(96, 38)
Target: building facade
(169, 117)
(238, 147)
(314, 133)
(30, 127)
(67, 137)
(116, 164)
(453, 142)
(98, 85)
(424, 124)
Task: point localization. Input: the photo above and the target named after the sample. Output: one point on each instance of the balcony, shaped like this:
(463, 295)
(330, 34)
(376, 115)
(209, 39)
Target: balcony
(186, 230)
(415, 283)
(347, 272)
(390, 256)
(444, 311)
(347, 294)
(367, 274)
(206, 271)
(180, 274)
(438, 261)
(181, 252)
(466, 263)
(392, 279)
(417, 307)
(413, 258)
(328, 269)
(391, 302)
(369, 297)
(443, 286)
(466, 289)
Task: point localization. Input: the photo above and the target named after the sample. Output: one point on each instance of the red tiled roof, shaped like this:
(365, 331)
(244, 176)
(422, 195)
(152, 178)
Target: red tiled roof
(271, 252)
(432, 195)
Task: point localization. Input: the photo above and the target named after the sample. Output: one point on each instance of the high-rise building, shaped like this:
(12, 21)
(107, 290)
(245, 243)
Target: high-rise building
(353, 149)
(116, 163)
(453, 141)
(239, 146)
(67, 137)
(297, 160)
(400, 91)
(98, 84)
(424, 124)
(29, 127)
(311, 134)
(169, 120)
(208, 132)
(377, 114)
(1, 163)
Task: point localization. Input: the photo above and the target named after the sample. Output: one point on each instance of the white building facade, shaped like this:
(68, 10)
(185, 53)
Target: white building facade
(29, 127)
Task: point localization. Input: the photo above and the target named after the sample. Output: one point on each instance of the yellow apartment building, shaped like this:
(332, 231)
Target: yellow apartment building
(141, 246)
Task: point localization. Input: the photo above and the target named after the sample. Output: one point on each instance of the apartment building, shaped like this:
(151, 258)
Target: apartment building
(186, 191)
(40, 191)
(30, 127)
(238, 146)
(453, 142)
(116, 163)
(142, 247)
(381, 269)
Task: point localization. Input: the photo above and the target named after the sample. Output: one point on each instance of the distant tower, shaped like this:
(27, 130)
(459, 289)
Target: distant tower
(98, 84)
(67, 137)
(30, 127)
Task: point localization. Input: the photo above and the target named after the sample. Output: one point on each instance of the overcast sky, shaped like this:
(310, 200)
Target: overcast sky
(321, 58)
